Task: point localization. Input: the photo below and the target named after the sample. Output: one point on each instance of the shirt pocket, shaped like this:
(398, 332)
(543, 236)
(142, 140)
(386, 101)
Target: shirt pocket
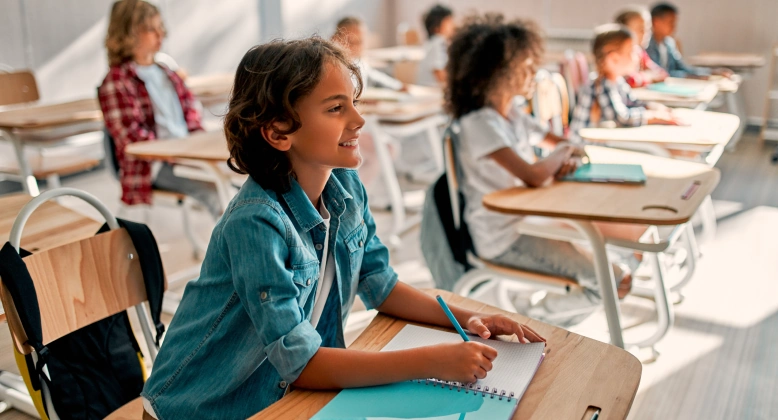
(355, 243)
(305, 276)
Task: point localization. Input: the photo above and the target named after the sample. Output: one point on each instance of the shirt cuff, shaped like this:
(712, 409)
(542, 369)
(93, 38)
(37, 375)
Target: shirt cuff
(291, 353)
(375, 288)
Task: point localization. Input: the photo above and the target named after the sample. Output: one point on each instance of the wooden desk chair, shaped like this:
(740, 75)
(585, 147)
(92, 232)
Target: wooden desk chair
(76, 285)
(21, 88)
(183, 202)
(653, 244)
(548, 103)
(407, 35)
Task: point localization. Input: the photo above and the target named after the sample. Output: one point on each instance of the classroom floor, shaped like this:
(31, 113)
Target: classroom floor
(718, 361)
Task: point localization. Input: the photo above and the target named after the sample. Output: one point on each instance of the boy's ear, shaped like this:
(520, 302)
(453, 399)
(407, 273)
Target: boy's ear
(275, 139)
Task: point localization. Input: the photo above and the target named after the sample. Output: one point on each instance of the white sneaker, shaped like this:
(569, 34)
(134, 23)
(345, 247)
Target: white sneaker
(565, 310)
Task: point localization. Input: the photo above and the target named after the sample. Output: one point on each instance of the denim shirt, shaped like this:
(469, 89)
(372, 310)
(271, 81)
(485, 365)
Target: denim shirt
(242, 332)
(675, 65)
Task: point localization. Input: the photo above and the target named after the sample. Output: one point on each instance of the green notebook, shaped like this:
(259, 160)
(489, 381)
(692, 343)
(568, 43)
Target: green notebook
(494, 398)
(608, 172)
(677, 90)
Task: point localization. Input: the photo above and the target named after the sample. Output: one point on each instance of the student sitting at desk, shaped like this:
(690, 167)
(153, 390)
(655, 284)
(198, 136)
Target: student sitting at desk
(607, 100)
(350, 32)
(647, 70)
(493, 62)
(143, 100)
(294, 248)
(663, 49)
(439, 23)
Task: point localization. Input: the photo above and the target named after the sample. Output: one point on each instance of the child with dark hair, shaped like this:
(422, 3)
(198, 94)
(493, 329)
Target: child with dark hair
(607, 101)
(492, 63)
(662, 47)
(293, 249)
(439, 23)
(647, 71)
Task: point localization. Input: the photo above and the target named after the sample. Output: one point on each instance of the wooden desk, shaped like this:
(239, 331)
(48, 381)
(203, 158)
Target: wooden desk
(576, 373)
(699, 101)
(50, 226)
(46, 123)
(673, 192)
(731, 60)
(395, 54)
(211, 89)
(705, 131)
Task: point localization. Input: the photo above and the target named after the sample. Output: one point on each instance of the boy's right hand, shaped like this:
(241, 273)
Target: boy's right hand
(462, 362)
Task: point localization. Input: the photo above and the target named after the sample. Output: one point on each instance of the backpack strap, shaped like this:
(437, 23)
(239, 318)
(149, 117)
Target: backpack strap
(151, 267)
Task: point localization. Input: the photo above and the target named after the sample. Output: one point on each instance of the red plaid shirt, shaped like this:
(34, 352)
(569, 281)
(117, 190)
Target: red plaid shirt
(129, 118)
(647, 72)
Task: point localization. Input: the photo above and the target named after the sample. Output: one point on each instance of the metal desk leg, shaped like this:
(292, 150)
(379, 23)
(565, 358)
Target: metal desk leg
(604, 271)
(29, 183)
(735, 106)
(390, 178)
(435, 140)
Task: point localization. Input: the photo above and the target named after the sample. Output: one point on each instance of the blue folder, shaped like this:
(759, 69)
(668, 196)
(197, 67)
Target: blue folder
(417, 400)
(677, 90)
(608, 172)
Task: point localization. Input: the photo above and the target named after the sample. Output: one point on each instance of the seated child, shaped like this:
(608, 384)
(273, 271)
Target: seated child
(439, 23)
(647, 71)
(663, 49)
(350, 32)
(290, 254)
(607, 101)
(143, 100)
(493, 62)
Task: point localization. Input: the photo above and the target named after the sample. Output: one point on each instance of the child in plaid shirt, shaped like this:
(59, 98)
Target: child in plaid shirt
(607, 100)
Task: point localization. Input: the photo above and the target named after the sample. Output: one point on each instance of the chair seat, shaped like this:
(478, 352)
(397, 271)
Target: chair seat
(44, 166)
(172, 195)
(133, 410)
(531, 276)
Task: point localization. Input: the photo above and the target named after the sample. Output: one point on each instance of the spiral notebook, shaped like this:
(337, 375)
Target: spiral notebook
(495, 397)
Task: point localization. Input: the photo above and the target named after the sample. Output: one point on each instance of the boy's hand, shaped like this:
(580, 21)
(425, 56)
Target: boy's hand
(723, 72)
(568, 167)
(462, 362)
(490, 325)
(662, 118)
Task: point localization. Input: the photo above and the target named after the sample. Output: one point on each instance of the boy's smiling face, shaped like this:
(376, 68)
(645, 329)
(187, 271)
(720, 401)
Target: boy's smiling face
(330, 125)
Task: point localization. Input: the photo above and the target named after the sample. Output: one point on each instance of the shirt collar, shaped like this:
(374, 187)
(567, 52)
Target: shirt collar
(305, 213)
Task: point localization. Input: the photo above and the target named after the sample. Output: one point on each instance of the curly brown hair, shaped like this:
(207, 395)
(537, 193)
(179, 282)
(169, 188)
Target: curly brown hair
(483, 53)
(270, 80)
(127, 16)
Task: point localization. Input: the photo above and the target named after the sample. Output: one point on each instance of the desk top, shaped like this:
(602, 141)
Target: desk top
(709, 91)
(576, 373)
(733, 60)
(673, 191)
(50, 115)
(705, 129)
(395, 54)
(208, 146)
(211, 88)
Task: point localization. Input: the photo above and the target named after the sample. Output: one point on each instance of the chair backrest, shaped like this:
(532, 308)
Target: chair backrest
(564, 95)
(110, 154)
(18, 88)
(451, 176)
(80, 283)
(406, 35)
(583, 67)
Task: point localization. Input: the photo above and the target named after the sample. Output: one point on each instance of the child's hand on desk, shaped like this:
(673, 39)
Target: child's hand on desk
(491, 325)
(462, 362)
(662, 118)
(568, 167)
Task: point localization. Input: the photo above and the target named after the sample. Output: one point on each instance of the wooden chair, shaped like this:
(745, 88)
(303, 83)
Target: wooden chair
(547, 102)
(407, 35)
(21, 88)
(78, 284)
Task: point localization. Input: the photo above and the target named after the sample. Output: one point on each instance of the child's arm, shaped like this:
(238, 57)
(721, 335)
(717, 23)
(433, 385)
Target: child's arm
(534, 174)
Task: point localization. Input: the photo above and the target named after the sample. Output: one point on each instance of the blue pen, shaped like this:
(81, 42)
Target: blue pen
(452, 319)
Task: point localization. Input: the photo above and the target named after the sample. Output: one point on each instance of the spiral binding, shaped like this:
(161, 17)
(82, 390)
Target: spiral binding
(468, 387)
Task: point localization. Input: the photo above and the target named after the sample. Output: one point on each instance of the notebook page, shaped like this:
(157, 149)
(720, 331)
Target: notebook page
(512, 370)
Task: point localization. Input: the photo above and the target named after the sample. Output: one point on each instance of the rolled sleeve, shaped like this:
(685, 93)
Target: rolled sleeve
(376, 277)
(257, 256)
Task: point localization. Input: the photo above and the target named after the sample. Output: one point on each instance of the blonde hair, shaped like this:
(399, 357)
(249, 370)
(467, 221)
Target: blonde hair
(127, 16)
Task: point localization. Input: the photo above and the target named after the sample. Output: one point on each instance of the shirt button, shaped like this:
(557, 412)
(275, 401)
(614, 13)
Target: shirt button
(282, 384)
(308, 282)
(318, 247)
(360, 244)
(263, 295)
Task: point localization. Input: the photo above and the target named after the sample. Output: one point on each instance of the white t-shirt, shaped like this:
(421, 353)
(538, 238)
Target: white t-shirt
(435, 58)
(483, 132)
(326, 270)
(168, 113)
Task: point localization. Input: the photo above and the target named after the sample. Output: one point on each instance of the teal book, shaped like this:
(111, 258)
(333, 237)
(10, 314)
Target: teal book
(677, 90)
(609, 173)
(495, 397)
